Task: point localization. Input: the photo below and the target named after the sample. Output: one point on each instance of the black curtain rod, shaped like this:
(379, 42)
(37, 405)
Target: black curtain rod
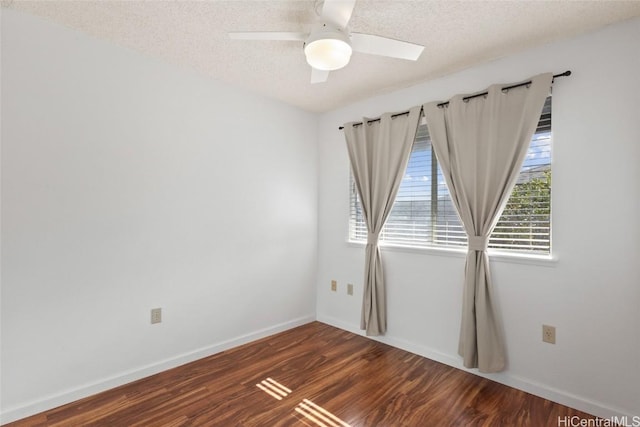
(466, 98)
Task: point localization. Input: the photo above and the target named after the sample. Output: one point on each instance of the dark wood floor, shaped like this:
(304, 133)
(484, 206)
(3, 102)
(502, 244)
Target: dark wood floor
(323, 376)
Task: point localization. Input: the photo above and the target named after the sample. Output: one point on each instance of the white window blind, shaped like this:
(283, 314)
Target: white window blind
(423, 214)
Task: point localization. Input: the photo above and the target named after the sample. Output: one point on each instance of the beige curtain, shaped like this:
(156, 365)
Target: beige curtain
(379, 152)
(481, 144)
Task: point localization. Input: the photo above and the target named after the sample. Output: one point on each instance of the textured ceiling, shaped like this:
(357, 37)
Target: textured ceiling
(457, 35)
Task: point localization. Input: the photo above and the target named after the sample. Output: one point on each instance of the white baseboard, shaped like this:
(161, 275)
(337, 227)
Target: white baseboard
(559, 396)
(85, 390)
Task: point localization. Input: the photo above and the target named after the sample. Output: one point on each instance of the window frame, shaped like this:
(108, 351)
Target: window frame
(497, 254)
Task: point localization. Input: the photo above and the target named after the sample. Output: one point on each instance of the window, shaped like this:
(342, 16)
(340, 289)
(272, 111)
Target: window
(423, 214)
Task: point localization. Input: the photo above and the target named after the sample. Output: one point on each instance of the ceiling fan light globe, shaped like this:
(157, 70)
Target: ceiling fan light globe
(328, 54)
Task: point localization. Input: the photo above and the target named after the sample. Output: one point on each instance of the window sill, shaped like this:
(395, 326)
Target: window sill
(494, 255)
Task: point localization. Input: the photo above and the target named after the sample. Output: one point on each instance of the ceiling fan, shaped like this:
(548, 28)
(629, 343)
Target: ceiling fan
(329, 45)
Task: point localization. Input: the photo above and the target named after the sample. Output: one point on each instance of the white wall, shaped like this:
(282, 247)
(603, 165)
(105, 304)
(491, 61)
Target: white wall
(591, 294)
(129, 184)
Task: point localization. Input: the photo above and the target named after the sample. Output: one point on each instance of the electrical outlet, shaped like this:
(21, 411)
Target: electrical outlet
(334, 285)
(350, 289)
(549, 334)
(156, 315)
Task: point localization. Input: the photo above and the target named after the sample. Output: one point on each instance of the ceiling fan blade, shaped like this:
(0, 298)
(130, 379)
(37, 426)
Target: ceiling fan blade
(319, 76)
(338, 11)
(377, 45)
(268, 35)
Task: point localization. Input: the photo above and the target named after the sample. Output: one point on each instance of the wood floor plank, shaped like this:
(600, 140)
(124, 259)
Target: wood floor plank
(323, 373)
